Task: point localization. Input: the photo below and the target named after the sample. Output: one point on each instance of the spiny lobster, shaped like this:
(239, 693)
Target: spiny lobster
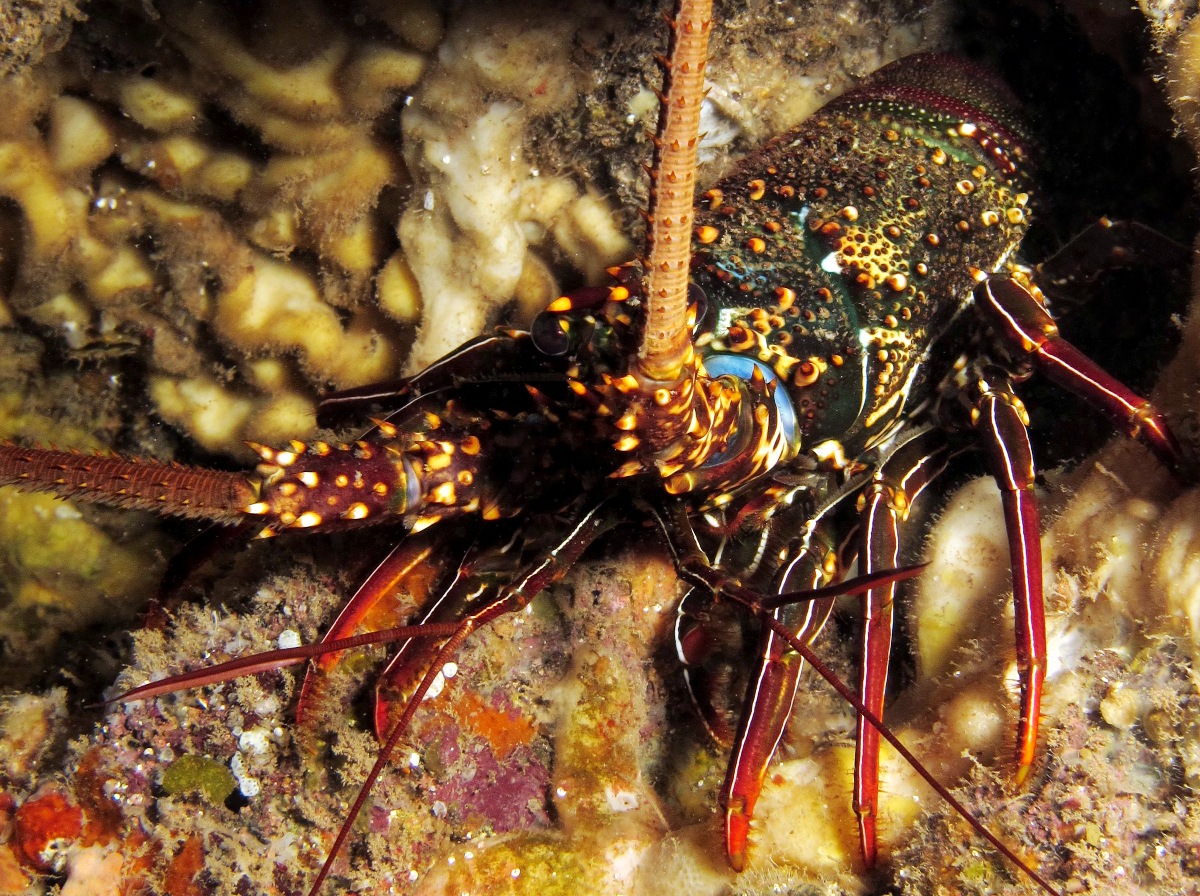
(773, 406)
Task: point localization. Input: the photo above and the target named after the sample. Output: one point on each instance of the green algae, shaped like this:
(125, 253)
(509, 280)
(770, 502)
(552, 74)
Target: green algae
(199, 774)
(62, 568)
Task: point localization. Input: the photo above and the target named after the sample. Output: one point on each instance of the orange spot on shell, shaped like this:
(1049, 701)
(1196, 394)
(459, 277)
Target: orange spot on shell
(806, 374)
(739, 339)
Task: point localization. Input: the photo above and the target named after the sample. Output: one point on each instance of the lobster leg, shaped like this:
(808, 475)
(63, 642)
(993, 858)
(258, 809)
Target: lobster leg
(1020, 317)
(898, 745)
(423, 554)
(772, 689)
(883, 505)
(694, 566)
(546, 570)
(478, 582)
(1018, 314)
(1000, 420)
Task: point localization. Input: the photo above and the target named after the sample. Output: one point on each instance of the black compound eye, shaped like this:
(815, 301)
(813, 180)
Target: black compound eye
(551, 334)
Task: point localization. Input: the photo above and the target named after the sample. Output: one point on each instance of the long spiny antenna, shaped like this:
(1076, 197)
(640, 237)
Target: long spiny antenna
(671, 418)
(666, 343)
(131, 484)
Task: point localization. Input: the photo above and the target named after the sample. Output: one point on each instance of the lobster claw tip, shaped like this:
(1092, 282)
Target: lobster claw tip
(737, 833)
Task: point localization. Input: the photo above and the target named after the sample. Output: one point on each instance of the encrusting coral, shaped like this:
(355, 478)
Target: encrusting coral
(265, 213)
(285, 210)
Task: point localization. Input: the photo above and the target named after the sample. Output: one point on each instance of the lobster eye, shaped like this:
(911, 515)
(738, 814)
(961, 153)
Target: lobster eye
(551, 334)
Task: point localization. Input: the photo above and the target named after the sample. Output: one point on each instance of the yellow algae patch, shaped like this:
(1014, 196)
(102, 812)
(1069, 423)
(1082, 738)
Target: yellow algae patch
(218, 416)
(80, 137)
(52, 560)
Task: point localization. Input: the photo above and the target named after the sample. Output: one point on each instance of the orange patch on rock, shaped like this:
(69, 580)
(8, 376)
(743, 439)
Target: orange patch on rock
(180, 876)
(39, 822)
(504, 730)
(13, 878)
(140, 853)
(104, 819)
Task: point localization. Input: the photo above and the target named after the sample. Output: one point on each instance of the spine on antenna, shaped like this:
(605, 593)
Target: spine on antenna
(136, 484)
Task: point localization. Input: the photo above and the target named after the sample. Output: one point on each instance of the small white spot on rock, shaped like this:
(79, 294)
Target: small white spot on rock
(254, 741)
(435, 687)
(620, 800)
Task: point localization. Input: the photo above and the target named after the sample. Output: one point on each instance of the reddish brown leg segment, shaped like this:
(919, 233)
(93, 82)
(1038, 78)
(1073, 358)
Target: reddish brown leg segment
(1022, 320)
(771, 692)
(1000, 421)
(883, 506)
